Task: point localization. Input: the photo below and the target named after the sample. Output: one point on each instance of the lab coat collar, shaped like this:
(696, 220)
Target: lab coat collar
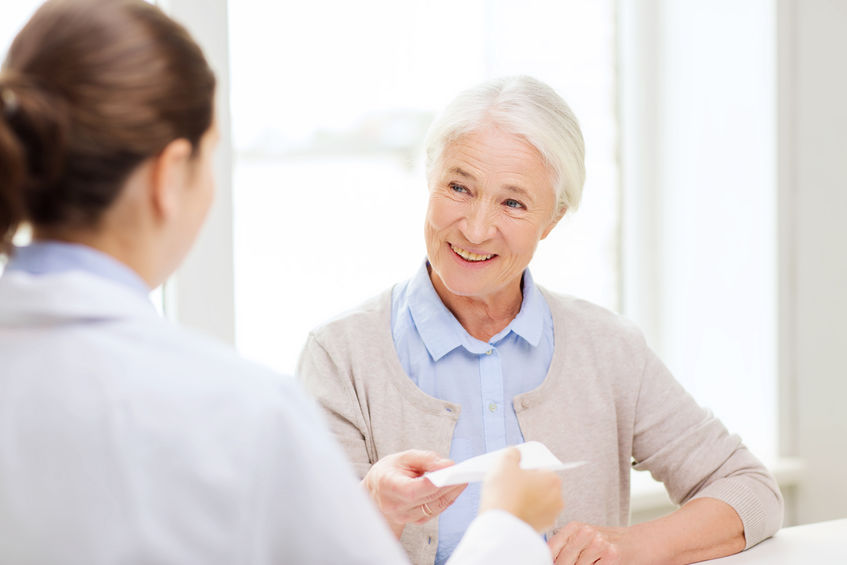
(73, 296)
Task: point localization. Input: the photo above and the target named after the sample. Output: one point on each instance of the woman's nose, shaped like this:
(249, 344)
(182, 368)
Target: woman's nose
(479, 224)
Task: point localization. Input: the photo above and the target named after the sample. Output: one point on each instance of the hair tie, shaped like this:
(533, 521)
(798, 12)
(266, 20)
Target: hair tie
(10, 101)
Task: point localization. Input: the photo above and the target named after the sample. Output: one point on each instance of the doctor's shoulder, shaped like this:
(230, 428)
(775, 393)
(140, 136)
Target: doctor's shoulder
(166, 366)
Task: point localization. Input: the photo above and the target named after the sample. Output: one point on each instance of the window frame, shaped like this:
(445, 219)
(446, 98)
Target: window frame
(200, 294)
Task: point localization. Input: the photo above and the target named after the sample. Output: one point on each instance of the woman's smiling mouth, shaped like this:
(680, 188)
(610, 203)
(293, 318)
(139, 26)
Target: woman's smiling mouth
(468, 256)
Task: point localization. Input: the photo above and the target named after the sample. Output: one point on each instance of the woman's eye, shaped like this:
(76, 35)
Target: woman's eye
(513, 203)
(457, 187)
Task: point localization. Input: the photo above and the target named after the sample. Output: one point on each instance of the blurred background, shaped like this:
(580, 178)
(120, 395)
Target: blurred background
(713, 213)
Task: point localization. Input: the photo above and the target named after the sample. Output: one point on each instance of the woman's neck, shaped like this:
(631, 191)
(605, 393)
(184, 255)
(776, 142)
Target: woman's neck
(121, 246)
(482, 317)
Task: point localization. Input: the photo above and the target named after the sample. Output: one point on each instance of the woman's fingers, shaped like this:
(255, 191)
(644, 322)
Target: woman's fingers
(442, 500)
(601, 551)
(558, 541)
(582, 544)
(402, 494)
(580, 538)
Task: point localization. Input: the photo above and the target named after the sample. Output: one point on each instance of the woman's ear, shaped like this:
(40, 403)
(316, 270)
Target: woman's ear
(559, 215)
(170, 171)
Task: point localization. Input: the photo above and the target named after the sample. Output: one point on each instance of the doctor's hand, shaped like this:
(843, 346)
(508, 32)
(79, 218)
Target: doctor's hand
(533, 496)
(402, 494)
(578, 544)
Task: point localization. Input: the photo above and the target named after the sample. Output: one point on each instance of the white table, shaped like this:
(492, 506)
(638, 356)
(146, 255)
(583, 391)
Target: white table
(823, 542)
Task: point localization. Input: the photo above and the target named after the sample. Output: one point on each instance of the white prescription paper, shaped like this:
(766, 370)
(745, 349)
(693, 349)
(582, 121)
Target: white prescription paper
(534, 455)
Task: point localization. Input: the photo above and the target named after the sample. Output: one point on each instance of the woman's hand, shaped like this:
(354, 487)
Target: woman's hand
(402, 494)
(704, 528)
(533, 496)
(583, 544)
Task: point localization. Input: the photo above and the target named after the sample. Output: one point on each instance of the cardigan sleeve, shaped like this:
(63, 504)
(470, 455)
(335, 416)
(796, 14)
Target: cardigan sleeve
(333, 389)
(692, 453)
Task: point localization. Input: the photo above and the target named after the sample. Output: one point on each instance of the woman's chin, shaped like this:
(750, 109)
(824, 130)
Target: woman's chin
(465, 286)
(465, 278)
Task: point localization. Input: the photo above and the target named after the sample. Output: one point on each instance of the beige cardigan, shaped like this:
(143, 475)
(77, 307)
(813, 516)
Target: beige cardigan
(607, 399)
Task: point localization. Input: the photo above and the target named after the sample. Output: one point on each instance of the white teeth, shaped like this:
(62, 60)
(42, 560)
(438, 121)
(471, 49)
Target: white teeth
(468, 256)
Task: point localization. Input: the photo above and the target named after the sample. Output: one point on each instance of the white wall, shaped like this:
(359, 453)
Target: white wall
(813, 249)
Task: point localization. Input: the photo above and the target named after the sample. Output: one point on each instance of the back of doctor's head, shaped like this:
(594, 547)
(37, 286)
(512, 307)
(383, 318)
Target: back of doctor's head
(88, 91)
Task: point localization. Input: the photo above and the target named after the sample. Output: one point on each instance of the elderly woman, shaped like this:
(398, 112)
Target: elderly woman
(470, 355)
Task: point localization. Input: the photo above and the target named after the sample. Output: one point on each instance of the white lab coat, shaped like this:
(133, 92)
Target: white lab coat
(124, 439)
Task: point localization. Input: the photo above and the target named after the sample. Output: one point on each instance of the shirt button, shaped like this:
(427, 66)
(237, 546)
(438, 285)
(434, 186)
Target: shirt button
(492, 407)
(489, 352)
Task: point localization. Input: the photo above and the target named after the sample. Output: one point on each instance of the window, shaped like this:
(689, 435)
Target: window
(330, 102)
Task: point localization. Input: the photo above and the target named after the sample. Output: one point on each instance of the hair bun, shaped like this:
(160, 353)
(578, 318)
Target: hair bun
(33, 131)
(39, 121)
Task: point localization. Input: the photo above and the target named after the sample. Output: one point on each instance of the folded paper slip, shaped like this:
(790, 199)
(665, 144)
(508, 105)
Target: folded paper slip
(534, 455)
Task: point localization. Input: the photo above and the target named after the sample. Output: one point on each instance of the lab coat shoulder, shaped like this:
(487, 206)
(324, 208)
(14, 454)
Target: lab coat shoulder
(136, 437)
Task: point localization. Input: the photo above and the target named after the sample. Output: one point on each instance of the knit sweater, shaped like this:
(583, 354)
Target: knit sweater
(607, 399)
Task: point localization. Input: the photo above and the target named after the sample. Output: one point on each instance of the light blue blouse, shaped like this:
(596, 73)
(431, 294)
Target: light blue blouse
(446, 362)
(49, 257)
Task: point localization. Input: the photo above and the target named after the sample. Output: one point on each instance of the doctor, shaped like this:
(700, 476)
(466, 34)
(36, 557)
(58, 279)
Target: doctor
(124, 439)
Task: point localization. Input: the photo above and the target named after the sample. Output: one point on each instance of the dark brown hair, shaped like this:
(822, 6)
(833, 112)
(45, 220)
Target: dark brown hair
(88, 91)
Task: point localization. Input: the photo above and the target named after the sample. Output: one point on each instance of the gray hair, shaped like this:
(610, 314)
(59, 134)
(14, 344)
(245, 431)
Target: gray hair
(523, 106)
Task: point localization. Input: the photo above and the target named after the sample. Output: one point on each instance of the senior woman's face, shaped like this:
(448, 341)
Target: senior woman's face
(491, 202)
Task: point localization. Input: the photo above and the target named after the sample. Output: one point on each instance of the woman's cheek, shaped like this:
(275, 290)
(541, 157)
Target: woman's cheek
(445, 212)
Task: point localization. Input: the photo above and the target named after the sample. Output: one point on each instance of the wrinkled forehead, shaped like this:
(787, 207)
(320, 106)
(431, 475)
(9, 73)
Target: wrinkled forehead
(491, 153)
